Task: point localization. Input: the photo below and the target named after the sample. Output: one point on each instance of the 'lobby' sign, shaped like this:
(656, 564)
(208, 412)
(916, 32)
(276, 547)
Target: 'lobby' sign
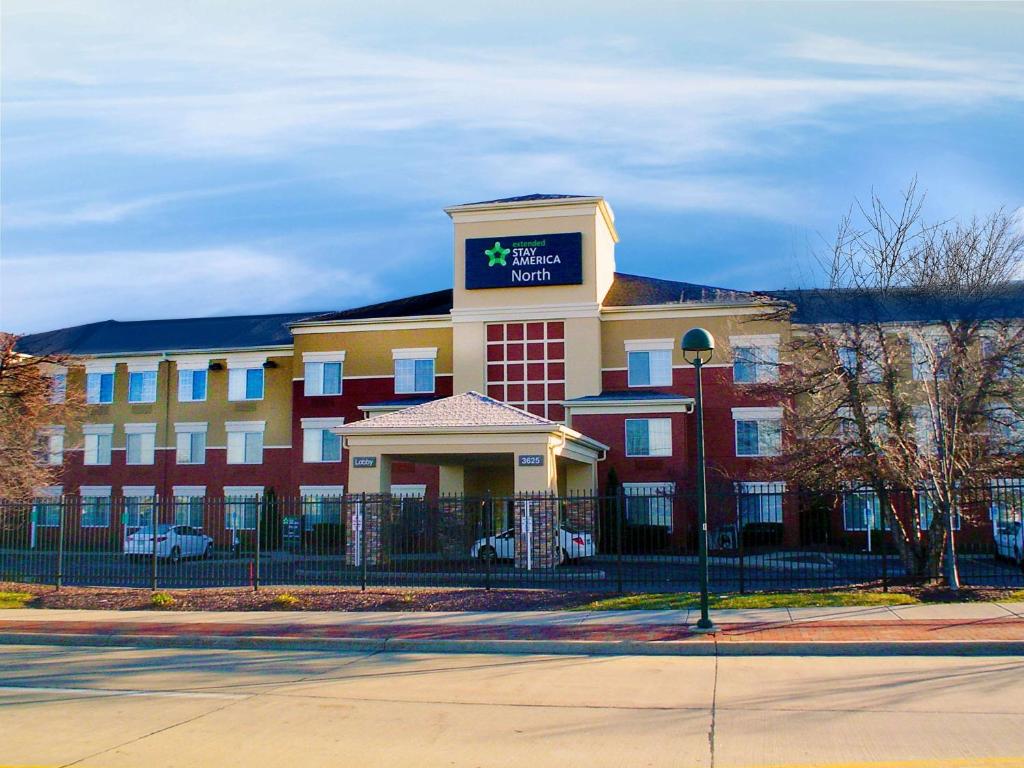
(521, 261)
(364, 462)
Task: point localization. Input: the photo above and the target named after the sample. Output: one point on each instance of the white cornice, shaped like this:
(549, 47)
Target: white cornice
(527, 312)
(663, 311)
(373, 324)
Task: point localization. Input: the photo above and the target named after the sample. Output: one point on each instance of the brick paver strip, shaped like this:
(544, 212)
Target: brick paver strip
(1010, 628)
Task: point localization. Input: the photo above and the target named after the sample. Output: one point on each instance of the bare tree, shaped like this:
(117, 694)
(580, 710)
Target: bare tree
(33, 400)
(908, 370)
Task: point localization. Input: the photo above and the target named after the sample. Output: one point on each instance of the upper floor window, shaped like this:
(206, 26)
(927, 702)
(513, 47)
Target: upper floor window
(59, 385)
(98, 443)
(141, 386)
(319, 443)
(192, 385)
(649, 362)
(190, 442)
(1006, 427)
(755, 358)
(245, 442)
(929, 359)
(140, 443)
(870, 370)
(758, 431)
(323, 372)
(245, 383)
(414, 370)
(52, 448)
(648, 437)
(99, 383)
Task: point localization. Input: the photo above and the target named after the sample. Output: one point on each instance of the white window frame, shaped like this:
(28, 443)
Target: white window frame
(141, 368)
(757, 415)
(241, 494)
(100, 368)
(313, 440)
(92, 434)
(762, 490)
(189, 493)
(145, 435)
(662, 451)
(313, 372)
(58, 383)
(238, 368)
(245, 428)
(852, 491)
(653, 490)
(313, 496)
(646, 346)
(94, 492)
(54, 450)
(764, 370)
(415, 354)
(189, 365)
(183, 441)
(39, 501)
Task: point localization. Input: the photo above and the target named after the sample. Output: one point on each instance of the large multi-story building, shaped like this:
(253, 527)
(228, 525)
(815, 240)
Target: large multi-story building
(412, 396)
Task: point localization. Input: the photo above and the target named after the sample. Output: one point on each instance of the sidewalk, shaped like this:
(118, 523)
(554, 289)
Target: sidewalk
(973, 628)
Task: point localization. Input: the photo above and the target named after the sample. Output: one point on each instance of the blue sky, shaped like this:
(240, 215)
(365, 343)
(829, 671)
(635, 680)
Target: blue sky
(190, 158)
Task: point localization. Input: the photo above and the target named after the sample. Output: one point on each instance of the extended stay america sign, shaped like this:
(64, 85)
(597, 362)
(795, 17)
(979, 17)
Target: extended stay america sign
(523, 261)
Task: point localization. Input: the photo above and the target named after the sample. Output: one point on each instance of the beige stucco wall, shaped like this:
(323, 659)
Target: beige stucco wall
(368, 353)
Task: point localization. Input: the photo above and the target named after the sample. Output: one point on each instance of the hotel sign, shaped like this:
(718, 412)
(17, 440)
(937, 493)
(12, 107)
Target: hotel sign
(364, 462)
(522, 261)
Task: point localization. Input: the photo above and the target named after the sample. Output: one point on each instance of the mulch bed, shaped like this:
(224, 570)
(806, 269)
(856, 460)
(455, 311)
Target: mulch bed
(379, 598)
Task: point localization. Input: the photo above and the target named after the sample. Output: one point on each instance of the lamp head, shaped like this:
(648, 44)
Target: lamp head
(698, 345)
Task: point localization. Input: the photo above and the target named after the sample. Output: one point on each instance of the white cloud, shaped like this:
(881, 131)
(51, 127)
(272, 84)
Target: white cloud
(128, 285)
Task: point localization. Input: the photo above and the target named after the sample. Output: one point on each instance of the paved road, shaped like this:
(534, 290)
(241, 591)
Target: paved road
(128, 707)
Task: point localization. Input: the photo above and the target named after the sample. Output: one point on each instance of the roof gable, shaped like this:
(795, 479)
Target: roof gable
(465, 411)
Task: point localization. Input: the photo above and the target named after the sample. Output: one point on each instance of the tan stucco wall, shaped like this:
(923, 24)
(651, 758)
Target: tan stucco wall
(368, 353)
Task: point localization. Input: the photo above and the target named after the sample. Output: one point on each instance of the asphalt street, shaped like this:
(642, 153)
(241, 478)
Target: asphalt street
(63, 706)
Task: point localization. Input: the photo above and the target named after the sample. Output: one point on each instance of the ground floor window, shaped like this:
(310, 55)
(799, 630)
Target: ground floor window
(138, 512)
(1007, 500)
(95, 511)
(322, 504)
(188, 510)
(862, 510)
(759, 502)
(649, 503)
(926, 512)
(242, 507)
(46, 508)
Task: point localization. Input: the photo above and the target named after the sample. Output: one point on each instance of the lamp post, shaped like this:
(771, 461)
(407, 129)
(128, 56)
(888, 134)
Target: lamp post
(698, 346)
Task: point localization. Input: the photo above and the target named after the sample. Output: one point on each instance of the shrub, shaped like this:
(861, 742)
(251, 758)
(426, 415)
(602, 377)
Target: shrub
(161, 600)
(286, 601)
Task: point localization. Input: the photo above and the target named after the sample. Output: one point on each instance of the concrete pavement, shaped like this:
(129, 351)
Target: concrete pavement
(980, 628)
(131, 707)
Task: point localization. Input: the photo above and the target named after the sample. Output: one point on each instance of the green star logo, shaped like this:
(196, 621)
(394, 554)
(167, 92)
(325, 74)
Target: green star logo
(496, 255)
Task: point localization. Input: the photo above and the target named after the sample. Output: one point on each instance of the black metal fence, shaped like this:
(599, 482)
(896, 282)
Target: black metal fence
(762, 537)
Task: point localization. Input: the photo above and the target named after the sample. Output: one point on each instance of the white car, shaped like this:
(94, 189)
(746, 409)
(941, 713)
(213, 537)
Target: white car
(173, 542)
(572, 545)
(1009, 536)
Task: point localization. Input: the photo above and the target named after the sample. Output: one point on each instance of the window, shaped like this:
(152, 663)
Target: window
(59, 386)
(924, 429)
(1006, 428)
(755, 358)
(861, 508)
(929, 359)
(319, 443)
(323, 372)
(52, 448)
(926, 512)
(1007, 500)
(190, 442)
(98, 443)
(241, 507)
(649, 362)
(649, 503)
(877, 423)
(192, 385)
(138, 507)
(758, 431)
(99, 388)
(140, 443)
(189, 501)
(871, 371)
(95, 512)
(245, 442)
(648, 437)
(245, 378)
(414, 376)
(46, 507)
(759, 502)
(141, 386)
(322, 504)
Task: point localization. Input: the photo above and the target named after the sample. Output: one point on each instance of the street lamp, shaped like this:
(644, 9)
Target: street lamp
(698, 346)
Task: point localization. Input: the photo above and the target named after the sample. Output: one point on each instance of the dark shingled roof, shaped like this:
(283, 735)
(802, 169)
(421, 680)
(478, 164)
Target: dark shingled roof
(530, 198)
(435, 303)
(117, 337)
(634, 290)
(820, 305)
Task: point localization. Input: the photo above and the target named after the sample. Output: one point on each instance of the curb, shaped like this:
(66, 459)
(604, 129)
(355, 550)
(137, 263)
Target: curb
(542, 647)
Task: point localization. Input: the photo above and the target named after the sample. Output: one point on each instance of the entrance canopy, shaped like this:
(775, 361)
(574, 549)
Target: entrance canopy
(480, 444)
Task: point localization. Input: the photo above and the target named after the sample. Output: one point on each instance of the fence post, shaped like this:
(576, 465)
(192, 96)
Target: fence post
(362, 542)
(488, 532)
(259, 533)
(59, 580)
(885, 556)
(739, 548)
(618, 539)
(153, 518)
